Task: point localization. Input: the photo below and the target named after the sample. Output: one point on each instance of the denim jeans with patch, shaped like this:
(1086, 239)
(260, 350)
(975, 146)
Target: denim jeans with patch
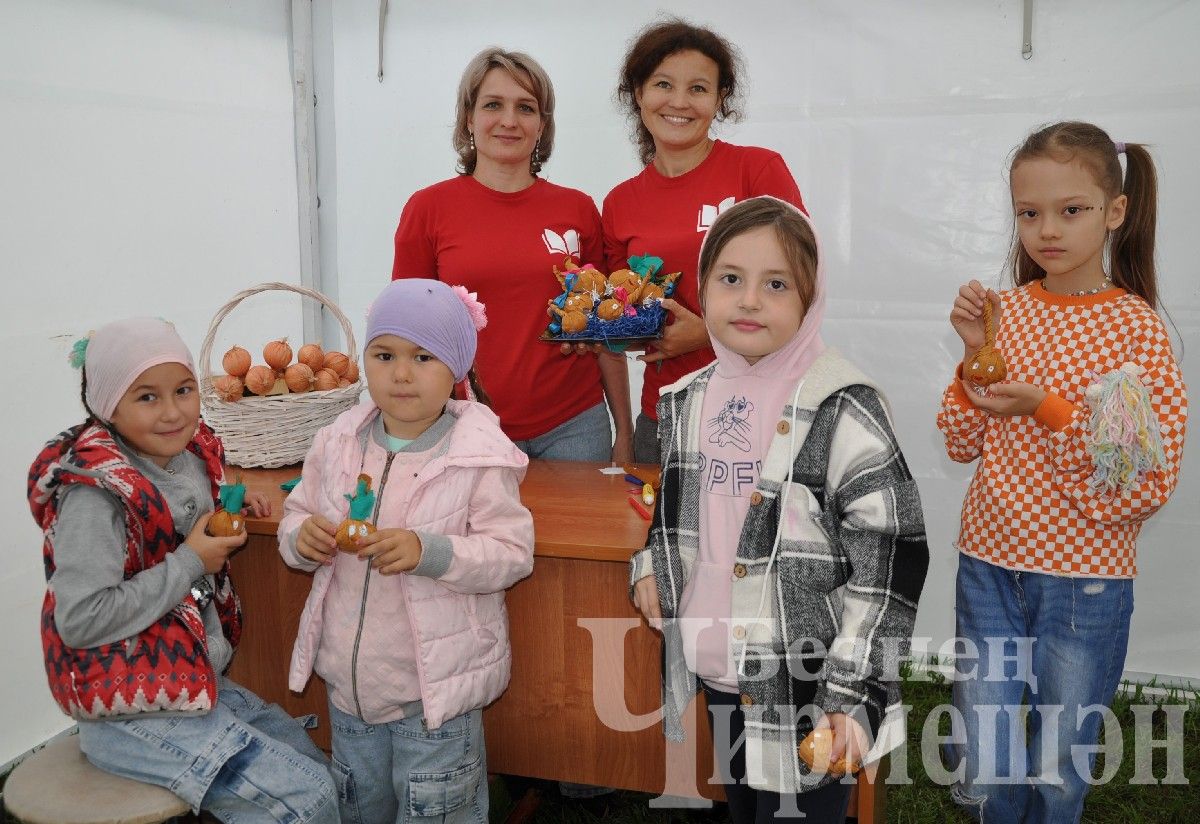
(1078, 631)
(245, 762)
(403, 771)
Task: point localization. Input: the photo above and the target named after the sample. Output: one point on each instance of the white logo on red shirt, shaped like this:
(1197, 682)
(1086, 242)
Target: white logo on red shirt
(708, 214)
(565, 244)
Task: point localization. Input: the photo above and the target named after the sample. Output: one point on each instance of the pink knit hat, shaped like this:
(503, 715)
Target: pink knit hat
(117, 353)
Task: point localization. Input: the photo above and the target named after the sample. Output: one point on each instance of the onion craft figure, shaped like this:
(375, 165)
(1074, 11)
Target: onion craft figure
(358, 522)
(987, 367)
(228, 520)
(815, 751)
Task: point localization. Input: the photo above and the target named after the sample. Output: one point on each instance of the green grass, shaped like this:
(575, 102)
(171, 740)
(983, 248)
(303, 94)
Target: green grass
(1116, 802)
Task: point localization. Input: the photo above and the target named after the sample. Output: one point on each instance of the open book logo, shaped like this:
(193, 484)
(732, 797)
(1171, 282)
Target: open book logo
(565, 244)
(708, 214)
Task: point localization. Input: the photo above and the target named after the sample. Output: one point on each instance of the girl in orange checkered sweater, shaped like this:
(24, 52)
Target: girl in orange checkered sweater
(1076, 449)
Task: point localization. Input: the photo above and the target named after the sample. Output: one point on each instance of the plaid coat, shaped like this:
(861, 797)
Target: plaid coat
(828, 616)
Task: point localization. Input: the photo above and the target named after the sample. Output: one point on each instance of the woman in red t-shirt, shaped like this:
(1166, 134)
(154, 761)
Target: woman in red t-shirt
(499, 229)
(677, 79)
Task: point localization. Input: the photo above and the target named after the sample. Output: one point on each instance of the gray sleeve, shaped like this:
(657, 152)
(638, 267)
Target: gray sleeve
(94, 605)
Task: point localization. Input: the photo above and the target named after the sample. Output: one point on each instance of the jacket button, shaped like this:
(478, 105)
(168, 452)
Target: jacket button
(755, 498)
(783, 428)
(746, 700)
(739, 632)
(739, 570)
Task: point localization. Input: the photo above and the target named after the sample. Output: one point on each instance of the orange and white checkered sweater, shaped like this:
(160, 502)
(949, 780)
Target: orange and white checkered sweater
(1030, 506)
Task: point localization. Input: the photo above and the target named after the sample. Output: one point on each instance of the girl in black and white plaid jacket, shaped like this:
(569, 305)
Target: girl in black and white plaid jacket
(787, 550)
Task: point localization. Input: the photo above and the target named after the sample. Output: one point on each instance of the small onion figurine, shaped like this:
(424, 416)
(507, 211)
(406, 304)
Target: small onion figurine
(609, 309)
(277, 354)
(299, 377)
(236, 362)
(311, 355)
(260, 379)
(815, 751)
(570, 321)
(987, 367)
(578, 302)
(228, 388)
(358, 522)
(228, 520)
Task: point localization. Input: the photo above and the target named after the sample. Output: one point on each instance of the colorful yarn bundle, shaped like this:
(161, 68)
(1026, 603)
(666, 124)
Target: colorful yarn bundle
(1125, 441)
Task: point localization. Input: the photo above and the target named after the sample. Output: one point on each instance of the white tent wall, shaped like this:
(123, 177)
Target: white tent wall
(897, 120)
(149, 169)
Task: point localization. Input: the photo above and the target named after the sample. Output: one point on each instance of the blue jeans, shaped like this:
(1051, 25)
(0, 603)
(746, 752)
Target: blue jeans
(403, 771)
(246, 761)
(586, 437)
(1078, 632)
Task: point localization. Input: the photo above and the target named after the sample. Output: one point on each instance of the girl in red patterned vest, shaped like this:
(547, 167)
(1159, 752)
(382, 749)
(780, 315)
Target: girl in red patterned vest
(139, 621)
(1078, 446)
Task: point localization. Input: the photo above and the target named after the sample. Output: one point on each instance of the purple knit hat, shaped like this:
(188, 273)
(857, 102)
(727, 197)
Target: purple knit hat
(442, 319)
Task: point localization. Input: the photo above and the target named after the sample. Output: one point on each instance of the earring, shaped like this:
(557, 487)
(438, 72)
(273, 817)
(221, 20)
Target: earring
(471, 140)
(533, 158)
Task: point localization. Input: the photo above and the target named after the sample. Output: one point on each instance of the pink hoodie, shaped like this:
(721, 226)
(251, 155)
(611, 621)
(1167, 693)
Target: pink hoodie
(741, 406)
(463, 501)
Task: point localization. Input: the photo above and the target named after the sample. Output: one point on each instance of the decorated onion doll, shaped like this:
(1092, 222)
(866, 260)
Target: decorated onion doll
(987, 367)
(228, 520)
(358, 522)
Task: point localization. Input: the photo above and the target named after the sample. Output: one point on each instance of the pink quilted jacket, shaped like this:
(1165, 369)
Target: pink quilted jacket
(467, 492)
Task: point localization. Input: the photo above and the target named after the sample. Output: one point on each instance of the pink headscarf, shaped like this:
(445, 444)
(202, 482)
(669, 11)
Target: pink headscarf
(794, 357)
(120, 351)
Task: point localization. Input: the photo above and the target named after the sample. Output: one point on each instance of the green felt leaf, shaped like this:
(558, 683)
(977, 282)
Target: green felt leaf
(362, 502)
(233, 497)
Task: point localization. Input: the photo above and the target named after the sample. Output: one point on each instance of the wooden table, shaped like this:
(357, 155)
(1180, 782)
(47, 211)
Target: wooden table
(572, 626)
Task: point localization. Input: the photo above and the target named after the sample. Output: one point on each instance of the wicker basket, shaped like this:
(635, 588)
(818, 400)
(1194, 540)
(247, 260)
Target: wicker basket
(273, 430)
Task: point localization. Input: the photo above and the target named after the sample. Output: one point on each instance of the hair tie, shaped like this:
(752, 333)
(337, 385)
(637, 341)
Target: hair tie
(78, 354)
(1120, 147)
(475, 309)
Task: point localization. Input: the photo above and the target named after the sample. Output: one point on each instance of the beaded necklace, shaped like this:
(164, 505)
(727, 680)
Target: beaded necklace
(1104, 284)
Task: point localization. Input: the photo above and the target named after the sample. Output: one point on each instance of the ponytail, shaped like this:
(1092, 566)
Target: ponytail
(1132, 253)
(476, 387)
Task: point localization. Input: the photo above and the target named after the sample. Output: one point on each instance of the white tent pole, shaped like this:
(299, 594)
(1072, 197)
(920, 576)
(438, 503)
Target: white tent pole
(304, 104)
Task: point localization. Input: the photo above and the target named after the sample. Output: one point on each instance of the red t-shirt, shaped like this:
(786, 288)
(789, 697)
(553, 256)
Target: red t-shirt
(668, 216)
(504, 246)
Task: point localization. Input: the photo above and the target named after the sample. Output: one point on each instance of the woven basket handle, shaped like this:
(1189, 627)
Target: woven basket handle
(206, 349)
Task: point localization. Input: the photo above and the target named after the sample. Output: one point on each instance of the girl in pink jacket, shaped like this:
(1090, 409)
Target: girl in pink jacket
(408, 628)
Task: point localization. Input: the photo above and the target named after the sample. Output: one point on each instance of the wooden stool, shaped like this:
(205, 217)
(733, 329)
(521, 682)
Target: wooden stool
(58, 785)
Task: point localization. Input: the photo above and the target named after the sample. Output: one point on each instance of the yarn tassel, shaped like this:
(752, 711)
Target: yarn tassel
(1125, 442)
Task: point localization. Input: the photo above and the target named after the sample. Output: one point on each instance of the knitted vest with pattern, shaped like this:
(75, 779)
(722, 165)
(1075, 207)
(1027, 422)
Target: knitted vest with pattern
(166, 666)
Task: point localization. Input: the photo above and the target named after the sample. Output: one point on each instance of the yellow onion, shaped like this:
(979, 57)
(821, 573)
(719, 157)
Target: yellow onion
(228, 387)
(260, 379)
(312, 355)
(325, 379)
(352, 372)
(236, 362)
(338, 362)
(299, 377)
(277, 354)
